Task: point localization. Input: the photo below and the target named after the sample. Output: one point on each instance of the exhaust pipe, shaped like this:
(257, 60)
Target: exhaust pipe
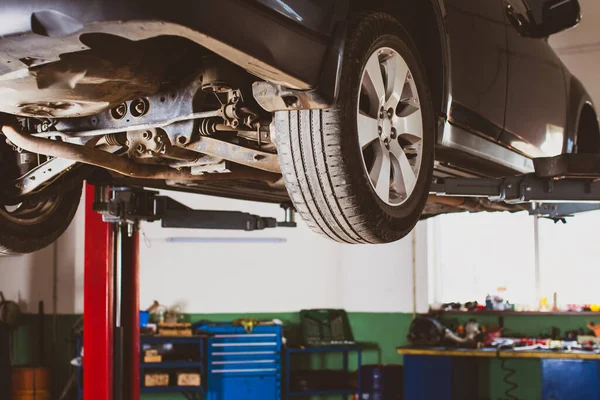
(459, 202)
(115, 163)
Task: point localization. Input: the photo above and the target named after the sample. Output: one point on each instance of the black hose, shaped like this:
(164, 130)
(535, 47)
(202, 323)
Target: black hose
(512, 386)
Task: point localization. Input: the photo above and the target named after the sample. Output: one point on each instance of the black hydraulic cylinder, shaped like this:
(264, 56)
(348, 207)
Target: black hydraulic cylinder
(204, 219)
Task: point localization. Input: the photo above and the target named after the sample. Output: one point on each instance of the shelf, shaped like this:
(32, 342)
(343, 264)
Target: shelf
(171, 339)
(324, 349)
(495, 353)
(174, 364)
(171, 389)
(518, 313)
(325, 392)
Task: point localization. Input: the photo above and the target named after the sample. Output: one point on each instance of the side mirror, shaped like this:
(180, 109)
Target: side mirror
(558, 15)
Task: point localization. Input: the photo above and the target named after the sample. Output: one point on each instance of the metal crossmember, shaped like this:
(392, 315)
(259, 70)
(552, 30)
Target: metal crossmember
(561, 186)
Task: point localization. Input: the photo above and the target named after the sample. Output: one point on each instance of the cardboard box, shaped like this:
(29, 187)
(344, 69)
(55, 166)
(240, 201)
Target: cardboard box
(175, 329)
(156, 380)
(152, 359)
(188, 379)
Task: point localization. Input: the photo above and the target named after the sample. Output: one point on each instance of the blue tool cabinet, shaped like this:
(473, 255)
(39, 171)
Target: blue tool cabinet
(456, 378)
(564, 379)
(242, 365)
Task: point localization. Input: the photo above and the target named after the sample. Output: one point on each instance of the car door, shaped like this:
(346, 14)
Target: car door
(477, 35)
(536, 107)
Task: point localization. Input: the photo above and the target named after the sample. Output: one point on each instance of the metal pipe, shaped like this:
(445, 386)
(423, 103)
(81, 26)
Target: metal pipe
(537, 265)
(414, 270)
(130, 304)
(112, 162)
(102, 193)
(139, 127)
(289, 215)
(227, 128)
(447, 200)
(118, 347)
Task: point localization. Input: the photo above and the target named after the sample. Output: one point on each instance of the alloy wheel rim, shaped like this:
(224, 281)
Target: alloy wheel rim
(30, 212)
(390, 126)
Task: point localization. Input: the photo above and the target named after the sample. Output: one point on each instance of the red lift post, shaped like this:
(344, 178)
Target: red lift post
(130, 281)
(98, 304)
(111, 299)
(111, 361)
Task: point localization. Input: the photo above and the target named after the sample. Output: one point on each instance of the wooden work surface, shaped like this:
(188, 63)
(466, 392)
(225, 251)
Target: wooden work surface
(492, 353)
(496, 313)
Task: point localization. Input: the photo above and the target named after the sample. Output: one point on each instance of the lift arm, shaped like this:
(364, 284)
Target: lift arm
(520, 189)
(131, 205)
(561, 186)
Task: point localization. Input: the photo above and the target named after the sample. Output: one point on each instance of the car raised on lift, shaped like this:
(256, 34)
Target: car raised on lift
(348, 108)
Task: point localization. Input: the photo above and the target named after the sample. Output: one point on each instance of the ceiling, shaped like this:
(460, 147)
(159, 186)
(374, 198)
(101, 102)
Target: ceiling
(579, 48)
(584, 37)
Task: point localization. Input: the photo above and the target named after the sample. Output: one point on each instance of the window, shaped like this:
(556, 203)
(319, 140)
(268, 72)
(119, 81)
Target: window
(472, 255)
(570, 259)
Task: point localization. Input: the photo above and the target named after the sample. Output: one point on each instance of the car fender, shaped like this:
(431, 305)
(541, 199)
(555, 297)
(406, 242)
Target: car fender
(578, 98)
(439, 9)
(436, 11)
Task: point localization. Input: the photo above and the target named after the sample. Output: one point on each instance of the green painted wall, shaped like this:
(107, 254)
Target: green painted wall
(387, 330)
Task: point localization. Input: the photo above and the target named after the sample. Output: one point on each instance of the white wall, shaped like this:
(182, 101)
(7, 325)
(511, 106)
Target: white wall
(31, 278)
(27, 279)
(306, 271)
(579, 48)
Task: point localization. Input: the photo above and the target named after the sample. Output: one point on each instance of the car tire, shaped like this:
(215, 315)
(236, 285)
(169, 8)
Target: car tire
(336, 183)
(37, 221)
(36, 224)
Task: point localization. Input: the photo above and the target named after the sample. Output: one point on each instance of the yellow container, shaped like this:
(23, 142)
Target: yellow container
(30, 384)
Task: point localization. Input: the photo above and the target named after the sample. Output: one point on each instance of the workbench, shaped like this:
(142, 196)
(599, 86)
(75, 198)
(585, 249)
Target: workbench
(453, 374)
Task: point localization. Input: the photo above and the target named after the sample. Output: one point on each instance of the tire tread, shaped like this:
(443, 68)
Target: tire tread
(318, 161)
(14, 242)
(331, 207)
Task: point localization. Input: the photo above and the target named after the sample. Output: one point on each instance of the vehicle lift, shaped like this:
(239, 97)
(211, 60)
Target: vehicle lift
(560, 187)
(111, 331)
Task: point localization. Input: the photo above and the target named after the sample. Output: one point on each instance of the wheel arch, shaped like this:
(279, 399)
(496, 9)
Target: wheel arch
(582, 119)
(425, 22)
(588, 125)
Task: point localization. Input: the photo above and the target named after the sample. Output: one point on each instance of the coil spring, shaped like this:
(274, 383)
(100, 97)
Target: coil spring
(208, 126)
(116, 139)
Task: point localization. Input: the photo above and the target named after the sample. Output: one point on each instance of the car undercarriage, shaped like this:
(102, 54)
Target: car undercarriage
(346, 113)
(202, 133)
(204, 126)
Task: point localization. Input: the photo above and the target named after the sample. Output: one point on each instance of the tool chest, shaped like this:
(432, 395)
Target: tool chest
(243, 365)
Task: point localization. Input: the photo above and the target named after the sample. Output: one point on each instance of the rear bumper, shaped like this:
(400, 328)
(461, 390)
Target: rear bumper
(254, 37)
